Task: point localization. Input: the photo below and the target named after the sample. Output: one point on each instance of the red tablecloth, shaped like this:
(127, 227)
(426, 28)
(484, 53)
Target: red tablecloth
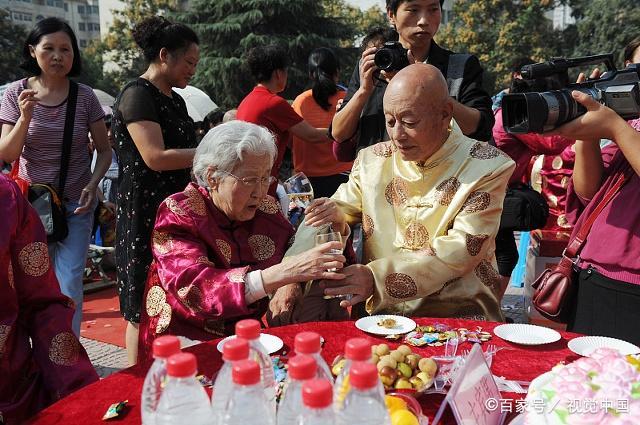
(519, 363)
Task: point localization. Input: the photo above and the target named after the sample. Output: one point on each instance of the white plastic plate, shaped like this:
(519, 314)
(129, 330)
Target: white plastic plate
(271, 342)
(585, 345)
(519, 333)
(370, 325)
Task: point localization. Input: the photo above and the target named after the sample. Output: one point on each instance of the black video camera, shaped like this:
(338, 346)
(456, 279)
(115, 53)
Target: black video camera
(537, 112)
(391, 57)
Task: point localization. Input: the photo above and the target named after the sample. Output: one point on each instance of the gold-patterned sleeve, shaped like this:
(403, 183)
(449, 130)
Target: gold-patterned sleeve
(349, 195)
(461, 251)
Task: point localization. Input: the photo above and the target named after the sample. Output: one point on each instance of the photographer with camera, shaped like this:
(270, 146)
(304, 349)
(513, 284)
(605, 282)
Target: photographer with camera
(360, 121)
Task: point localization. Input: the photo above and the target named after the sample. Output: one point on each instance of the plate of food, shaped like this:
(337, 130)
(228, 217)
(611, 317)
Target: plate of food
(585, 345)
(524, 334)
(386, 324)
(271, 342)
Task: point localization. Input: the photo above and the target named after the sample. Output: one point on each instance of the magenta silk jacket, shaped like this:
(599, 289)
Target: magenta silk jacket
(195, 286)
(41, 360)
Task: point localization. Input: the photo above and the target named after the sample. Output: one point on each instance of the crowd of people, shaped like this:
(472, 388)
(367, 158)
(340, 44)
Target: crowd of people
(416, 158)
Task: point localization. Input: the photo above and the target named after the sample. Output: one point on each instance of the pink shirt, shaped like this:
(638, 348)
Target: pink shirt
(42, 152)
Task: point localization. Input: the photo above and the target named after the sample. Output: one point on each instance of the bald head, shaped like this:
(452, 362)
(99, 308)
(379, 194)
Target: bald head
(417, 111)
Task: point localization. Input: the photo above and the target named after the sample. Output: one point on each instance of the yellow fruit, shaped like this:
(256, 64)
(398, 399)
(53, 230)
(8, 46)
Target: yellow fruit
(403, 417)
(394, 403)
(404, 349)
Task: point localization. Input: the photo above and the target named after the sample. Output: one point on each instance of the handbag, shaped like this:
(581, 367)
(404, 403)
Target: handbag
(44, 198)
(555, 289)
(524, 209)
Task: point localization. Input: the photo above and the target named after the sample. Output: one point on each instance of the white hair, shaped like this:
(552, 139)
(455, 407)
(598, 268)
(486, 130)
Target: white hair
(225, 145)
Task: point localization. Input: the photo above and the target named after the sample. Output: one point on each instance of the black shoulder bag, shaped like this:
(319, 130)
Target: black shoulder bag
(524, 209)
(45, 199)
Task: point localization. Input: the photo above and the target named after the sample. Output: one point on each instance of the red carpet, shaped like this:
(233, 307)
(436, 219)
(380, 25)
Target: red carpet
(101, 319)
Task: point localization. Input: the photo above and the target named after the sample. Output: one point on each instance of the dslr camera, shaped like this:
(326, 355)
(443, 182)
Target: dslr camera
(391, 57)
(545, 108)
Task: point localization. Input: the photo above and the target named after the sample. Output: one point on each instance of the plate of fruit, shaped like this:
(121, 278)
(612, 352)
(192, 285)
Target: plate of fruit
(402, 370)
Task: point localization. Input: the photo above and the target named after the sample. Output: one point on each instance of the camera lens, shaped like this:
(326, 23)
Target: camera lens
(383, 59)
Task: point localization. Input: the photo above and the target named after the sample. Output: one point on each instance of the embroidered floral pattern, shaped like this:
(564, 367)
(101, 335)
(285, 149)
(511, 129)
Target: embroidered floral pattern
(225, 249)
(236, 275)
(174, 207)
(156, 298)
(487, 274)
(563, 222)
(262, 247)
(483, 151)
(446, 190)
(34, 259)
(4, 335)
(291, 240)
(10, 278)
(191, 297)
(400, 285)
(474, 243)
(396, 191)
(165, 319)
(476, 202)
(367, 226)
(383, 149)
(444, 285)
(269, 205)
(206, 261)
(64, 349)
(194, 201)
(416, 236)
(162, 242)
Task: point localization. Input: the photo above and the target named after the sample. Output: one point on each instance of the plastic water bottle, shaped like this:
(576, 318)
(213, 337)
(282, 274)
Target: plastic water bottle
(363, 404)
(154, 382)
(183, 399)
(309, 343)
(355, 350)
(317, 396)
(248, 403)
(301, 369)
(249, 329)
(232, 351)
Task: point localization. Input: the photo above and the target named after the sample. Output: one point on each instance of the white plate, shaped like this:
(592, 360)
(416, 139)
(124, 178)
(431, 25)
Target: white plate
(271, 342)
(584, 345)
(519, 333)
(370, 324)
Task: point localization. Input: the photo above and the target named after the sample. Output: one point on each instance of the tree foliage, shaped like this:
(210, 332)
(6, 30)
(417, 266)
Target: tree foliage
(498, 32)
(229, 28)
(12, 37)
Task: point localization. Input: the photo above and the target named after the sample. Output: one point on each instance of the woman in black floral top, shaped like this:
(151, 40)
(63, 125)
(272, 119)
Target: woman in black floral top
(155, 141)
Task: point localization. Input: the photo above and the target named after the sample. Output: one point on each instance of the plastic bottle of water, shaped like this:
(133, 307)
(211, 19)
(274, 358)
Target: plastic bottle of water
(309, 343)
(317, 395)
(355, 350)
(232, 351)
(301, 369)
(249, 329)
(183, 399)
(248, 403)
(154, 382)
(363, 404)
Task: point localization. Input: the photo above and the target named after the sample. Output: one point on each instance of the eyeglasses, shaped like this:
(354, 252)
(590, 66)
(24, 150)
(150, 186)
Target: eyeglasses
(252, 181)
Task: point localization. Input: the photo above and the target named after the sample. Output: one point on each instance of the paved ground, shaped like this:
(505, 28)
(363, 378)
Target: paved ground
(108, 359)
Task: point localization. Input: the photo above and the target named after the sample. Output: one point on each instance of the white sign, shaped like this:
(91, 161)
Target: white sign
(472, 387)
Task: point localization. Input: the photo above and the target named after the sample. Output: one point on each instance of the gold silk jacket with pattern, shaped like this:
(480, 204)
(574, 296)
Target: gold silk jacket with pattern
(429, 231)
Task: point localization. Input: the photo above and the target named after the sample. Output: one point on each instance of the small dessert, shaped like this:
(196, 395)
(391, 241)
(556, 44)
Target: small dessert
(387, 322)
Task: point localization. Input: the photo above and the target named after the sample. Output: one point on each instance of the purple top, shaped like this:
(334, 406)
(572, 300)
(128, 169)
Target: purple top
(613, 243)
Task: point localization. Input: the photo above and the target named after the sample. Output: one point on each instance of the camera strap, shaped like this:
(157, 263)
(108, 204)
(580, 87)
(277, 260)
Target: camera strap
(455, 72)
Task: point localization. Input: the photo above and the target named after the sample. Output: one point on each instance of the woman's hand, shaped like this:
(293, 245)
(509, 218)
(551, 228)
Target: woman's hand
(599, 121)
(86, 199)
(283, 301)
(27, 100)
(324, 211)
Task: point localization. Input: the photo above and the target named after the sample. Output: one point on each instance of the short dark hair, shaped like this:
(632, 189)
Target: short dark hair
(40, 29)
(394, 4)
(155, 32)
(379, 35)
(262, 61)
(630, 48)
(518, 63)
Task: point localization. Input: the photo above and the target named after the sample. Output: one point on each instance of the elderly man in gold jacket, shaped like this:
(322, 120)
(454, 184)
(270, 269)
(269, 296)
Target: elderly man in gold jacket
(429, 202)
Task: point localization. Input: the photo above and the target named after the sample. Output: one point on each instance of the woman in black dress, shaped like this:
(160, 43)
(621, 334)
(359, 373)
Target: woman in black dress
(155, 140)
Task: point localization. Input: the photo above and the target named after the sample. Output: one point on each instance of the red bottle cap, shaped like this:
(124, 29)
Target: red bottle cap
(317, 393)
(307, 343)
(358, 349)
(166, 346)
(302, 367)
(235, 349)
(363, 375)
(248, 329)
(245, 372)
(182, 365)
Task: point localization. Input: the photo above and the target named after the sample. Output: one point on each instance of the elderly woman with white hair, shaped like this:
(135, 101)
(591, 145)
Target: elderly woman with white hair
(218, 245)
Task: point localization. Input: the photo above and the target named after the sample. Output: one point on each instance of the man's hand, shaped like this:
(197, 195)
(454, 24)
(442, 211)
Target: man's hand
(358, 283)
(283, 301)
(367, 67)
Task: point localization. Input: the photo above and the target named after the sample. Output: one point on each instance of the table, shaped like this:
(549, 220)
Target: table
(518, 362)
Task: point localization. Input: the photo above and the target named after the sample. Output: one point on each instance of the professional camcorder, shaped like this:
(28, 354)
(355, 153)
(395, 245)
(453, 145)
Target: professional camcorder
(391, 57)
(545, 107)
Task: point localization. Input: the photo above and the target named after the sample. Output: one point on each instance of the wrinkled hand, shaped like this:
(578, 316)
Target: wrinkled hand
(86, 200)
(283, 301)
(27, 100)
(315, 263)
(324, 211)
(358, 282)
(597, 123)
